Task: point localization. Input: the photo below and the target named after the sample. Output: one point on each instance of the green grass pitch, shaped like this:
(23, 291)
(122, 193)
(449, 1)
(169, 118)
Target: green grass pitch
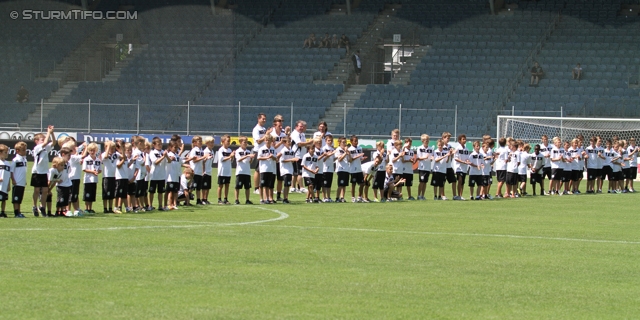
(569, 257)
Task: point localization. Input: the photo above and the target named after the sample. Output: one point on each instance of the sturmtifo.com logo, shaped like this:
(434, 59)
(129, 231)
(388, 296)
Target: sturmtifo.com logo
(72, 15)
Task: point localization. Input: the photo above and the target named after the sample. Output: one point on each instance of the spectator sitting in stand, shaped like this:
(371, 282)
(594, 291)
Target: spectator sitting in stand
(536, 73)
(576, 73)
(23, 95)
(344, 42)
(310, 42)
(335, 43)
(325, 42)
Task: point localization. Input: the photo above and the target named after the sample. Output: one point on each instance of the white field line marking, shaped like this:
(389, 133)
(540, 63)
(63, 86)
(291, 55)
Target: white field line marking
(460, 234)
(199, 224)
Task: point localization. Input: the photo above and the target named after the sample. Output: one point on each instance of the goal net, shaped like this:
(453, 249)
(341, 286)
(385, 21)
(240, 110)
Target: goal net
(530, 129)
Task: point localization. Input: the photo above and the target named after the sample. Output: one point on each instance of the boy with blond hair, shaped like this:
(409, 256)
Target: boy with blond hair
(39, 182)
(208, 167)
(225, 155)
(424, 158)
(18, 177)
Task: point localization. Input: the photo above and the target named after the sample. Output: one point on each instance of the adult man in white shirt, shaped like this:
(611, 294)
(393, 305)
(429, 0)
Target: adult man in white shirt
(258, 134)
(299, 144)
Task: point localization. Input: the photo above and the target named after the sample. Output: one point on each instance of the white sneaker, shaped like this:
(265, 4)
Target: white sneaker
(353, 199)
(360, 199)
(257, 191)
(292, 190)
(303, 190)
(443, 198)
(461, 198)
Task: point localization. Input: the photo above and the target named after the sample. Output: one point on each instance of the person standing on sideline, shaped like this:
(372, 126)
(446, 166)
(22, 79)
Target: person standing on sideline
(259, 133)
(357, 65)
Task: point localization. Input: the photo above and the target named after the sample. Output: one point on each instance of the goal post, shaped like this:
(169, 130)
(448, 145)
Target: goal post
(530, 129)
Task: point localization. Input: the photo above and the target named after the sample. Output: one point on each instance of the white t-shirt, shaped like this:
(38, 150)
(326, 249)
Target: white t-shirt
(514, 161)
(592, 157)
(425, 165)
(277, 138)
(317, 153)
(75, 172)
(243, 166)
(321, 135)
(65, 181)
(41, 158)
(477, 160)
(311, 162)
(615, 167)
(369, 168)
(488, 159)
(174, 167)
(5, 173)
(296, 138)
(576, 164)
(545, 150)
(525, 159)
(461, 154)
(157, 171)
(356, 164)
(224, 167)
(140, 165)
(601, 153)
(440, 166)
(537, 161)
(257, 134)
(633, 163)
(327, 164)
(197, 167)
(398, 166)
(382, 155)
(91, 164)
(185, 184)
(109, 163)
(19, 169)
(408, 166)
(286, 167)
(53, 175)
(208, 163)
(268, 165)
(123, 171)
(608, 155)
(342, 165)
(623, 154)
(501, 160)
(556, 153)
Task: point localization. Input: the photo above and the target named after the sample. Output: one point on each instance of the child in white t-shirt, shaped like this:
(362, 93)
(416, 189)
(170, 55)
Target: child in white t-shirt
(424, 158)
(243, 170)
(225, 156)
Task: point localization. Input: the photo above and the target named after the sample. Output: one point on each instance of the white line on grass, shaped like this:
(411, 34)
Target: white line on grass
(199, 224)
(460, 234)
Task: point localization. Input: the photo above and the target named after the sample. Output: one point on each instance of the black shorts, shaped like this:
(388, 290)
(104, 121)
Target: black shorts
(343, 179)
(476, 179)
(512, 178)
(243, 181)
(206, 182)
(556, 174)
(131, 189)
(63, 196)
(108, 188)
(487, 180)
(408, 177)
(122, 186)
(378, 180)
(297, 168)
(625, 172)
(619, 176)
(308, 181)
(222, 180)
(423, 176)
(75, 190)
(357, 177)
(461, 175)
(546, 172)
(197, 182)
(438, 179)
(39, 180)
(48, 198)
(327, 179)
(522, 178)
(89, 194)
(451, 176)
(592, 174)
(17, 193)
(267, 180)
(141, 188)
(287, 180)
(535, 178)
(3, 196)
(566, 177)
(318, 182)
(156, 186)
(633, 173)
(576, 175)
(278, 176)
(501, 175)
(173, 186)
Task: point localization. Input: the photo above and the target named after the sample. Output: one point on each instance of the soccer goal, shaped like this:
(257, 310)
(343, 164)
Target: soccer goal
(530, 129)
